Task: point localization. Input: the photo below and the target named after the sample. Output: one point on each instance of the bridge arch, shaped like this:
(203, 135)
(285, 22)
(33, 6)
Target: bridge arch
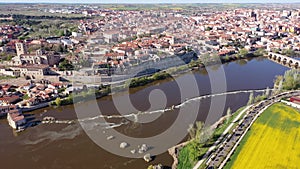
(270, 56)
(279, 59)
(284, 60)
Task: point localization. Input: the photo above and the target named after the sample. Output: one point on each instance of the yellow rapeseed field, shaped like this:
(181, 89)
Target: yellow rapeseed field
(273, 141)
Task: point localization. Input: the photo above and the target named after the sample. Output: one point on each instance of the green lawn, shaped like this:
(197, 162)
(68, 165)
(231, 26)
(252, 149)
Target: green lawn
(3, 77)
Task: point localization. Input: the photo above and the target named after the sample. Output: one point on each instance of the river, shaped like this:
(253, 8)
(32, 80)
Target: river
(68, 146)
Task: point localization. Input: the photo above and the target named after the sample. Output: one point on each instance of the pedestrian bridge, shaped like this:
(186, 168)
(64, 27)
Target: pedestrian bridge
(284, 60)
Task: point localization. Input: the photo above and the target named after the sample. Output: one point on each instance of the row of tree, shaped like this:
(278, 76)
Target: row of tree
(20, 16)
(289, 81)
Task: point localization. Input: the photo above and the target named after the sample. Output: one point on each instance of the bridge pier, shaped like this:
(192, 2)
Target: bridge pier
(284, 60)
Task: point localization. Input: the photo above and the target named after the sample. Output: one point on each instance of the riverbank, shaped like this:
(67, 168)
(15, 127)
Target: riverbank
(135, 82)
(36, 107)
(88, 94)
(181, 152)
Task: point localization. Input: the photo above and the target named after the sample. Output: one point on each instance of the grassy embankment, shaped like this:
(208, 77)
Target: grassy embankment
(106, 90)
(272, 141)
(142, 81)
(194, 151)
(4, 77)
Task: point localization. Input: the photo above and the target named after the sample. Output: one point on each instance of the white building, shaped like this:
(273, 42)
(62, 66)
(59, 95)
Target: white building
(76, 34)
(37, 70)
(9, 72)
(66, 42)
(15, 119)
(111, 36)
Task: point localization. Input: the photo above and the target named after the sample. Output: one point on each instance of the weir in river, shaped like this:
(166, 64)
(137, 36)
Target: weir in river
(135, 115)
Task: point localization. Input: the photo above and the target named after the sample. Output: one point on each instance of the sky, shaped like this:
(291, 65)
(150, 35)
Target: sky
(149, 1)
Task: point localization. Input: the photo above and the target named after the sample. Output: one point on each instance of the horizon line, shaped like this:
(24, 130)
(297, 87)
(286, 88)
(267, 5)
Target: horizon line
(114, 3)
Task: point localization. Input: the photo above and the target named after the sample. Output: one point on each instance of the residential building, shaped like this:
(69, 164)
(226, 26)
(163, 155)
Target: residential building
(32, 70)
(16, 119)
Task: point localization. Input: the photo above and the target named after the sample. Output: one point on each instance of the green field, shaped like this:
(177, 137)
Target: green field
(272, 142)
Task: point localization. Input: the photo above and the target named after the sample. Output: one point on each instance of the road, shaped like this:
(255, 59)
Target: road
(220, 139)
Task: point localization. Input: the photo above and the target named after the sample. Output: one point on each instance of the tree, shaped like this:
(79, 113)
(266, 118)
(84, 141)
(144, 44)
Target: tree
(280, 85)
(277, 80)
(251, 99)
(84, 88)
(195, 130)
(61, 49)
(21, 38)
(215, 57)
(205, 134)
(58, 101)
(84, 63)
(228, 114)
(61, 33)
(289, 52)
(65, 65)
(275, 50)
(226, 58)
(260, 98)
(198, 133)
(8, 57)
(192, 131)
(25, 97)
(208, 28)
(267, 93)
(150, 167)
(259, 52)
(289, 81)
(243, 52)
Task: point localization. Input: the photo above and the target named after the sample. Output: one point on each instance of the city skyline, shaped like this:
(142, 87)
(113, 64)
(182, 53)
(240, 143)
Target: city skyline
(148, 2)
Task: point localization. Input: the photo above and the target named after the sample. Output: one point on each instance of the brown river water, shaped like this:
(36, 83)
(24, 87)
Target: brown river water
(68, 146)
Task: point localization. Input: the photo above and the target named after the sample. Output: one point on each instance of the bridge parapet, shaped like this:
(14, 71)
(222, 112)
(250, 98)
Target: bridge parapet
(284, 60)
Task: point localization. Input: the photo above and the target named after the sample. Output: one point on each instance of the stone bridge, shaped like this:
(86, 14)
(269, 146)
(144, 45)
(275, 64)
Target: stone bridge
(284, 60)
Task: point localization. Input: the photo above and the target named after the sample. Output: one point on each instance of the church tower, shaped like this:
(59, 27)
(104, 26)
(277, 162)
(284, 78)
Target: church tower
(21, 49)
